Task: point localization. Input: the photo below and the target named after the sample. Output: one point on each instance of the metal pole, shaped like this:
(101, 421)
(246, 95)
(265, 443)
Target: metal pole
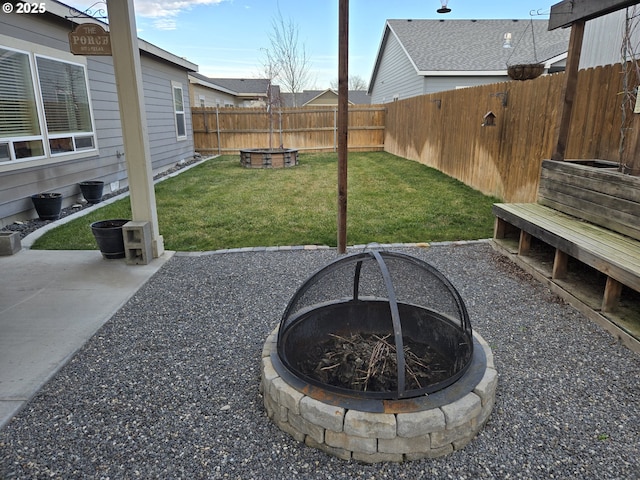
(343, 120)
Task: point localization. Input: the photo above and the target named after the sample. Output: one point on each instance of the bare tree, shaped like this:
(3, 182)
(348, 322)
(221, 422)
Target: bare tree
(269, 71)
(356, 82)
(286, 57)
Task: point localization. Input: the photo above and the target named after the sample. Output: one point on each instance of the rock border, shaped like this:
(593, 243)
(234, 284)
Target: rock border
(367, 437)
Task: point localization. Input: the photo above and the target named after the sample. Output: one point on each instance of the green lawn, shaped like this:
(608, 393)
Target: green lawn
(219, 204)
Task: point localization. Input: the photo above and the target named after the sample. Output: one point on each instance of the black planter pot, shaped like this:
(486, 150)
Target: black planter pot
(108, 235)
(92, 190)
(48, 205)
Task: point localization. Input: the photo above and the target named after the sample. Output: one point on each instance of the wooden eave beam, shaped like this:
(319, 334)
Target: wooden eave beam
(567, 12)
(569, 90)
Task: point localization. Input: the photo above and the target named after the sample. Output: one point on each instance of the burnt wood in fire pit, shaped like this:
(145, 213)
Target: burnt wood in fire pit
(377, 325)
(369, 362)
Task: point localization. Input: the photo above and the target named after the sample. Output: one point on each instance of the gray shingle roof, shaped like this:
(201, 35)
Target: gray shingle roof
(477, 45)
(243, 85)
(356, 97)
(250, 86)
(359, 97)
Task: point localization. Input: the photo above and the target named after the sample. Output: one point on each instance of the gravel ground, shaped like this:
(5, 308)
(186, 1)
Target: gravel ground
(168, 388)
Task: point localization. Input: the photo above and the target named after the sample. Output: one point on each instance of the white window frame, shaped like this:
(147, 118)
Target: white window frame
(33, 51)
(11, 141)
(74, 136)
(177, 85)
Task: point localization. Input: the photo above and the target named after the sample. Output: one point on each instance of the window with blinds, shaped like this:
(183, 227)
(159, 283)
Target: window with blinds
(178, 105)
(20, 135)
(63, 88)
(49, 116)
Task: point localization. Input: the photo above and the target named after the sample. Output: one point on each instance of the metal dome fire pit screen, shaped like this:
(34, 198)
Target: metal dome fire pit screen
(377, 325)
(379, 334)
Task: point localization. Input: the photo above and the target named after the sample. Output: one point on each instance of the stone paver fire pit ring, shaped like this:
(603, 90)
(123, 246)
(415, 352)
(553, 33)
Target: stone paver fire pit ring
(269, 157)
(407, 429)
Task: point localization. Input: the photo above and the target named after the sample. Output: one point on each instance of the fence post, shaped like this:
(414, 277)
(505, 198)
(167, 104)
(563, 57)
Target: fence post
(218, 130)
(280, 127)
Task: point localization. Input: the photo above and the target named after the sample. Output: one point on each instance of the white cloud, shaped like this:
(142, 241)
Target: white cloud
(154, 8)
(168, 8)
(164, 23)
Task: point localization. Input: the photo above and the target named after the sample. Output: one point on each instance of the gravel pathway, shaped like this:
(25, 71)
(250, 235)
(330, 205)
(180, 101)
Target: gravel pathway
(168, 388)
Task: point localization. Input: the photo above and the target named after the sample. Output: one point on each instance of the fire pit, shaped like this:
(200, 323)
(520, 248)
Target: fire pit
(374, 359)
(269, 157)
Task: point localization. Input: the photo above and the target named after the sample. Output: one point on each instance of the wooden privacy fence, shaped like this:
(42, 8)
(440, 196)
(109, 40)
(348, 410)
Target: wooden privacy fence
(228, 130)
(444, 130)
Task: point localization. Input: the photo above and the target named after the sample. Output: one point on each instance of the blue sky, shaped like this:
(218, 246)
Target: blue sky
(226, 38)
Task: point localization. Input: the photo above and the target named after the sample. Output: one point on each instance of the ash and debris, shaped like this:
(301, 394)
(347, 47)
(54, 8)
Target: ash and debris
(368, 362)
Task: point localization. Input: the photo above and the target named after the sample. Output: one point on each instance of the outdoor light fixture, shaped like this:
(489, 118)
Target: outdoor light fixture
(444, 8)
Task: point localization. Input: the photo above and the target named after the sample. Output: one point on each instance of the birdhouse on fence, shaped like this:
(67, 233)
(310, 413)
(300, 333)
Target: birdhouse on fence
(489, 119)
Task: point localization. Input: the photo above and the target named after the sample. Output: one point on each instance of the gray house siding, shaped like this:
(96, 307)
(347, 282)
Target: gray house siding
(166, 149)
(211, 98)
(397, 77)
(439, 84)
(603, 36)
(19, 180)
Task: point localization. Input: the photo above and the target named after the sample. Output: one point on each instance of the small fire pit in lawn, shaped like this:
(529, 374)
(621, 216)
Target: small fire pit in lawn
(269, 157)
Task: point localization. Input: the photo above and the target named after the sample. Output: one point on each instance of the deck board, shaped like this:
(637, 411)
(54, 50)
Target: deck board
(609, 252)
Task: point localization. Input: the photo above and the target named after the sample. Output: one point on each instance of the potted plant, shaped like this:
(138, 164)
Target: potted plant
(525, 71)
(48, 205)
(108, 235)
(92, 190)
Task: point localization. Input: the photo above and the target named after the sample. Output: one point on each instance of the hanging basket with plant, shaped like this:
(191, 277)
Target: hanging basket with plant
(529, 70)
(525, 71)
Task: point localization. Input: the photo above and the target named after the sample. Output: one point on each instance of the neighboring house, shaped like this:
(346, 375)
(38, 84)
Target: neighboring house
(231, 92)
(603, 38)
(314, 98)
(417, 57)
(59, 116)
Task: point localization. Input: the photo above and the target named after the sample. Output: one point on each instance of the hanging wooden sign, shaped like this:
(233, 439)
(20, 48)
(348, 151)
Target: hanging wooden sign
(89, 39)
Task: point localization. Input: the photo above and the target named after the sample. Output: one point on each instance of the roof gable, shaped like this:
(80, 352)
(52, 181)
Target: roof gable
(307, 96)
(247, 86)
(477, 45)
(236, 86)
(473, 45)
(327, 94)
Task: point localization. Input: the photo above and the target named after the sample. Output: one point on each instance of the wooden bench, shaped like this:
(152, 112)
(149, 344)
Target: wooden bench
(586, 213)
